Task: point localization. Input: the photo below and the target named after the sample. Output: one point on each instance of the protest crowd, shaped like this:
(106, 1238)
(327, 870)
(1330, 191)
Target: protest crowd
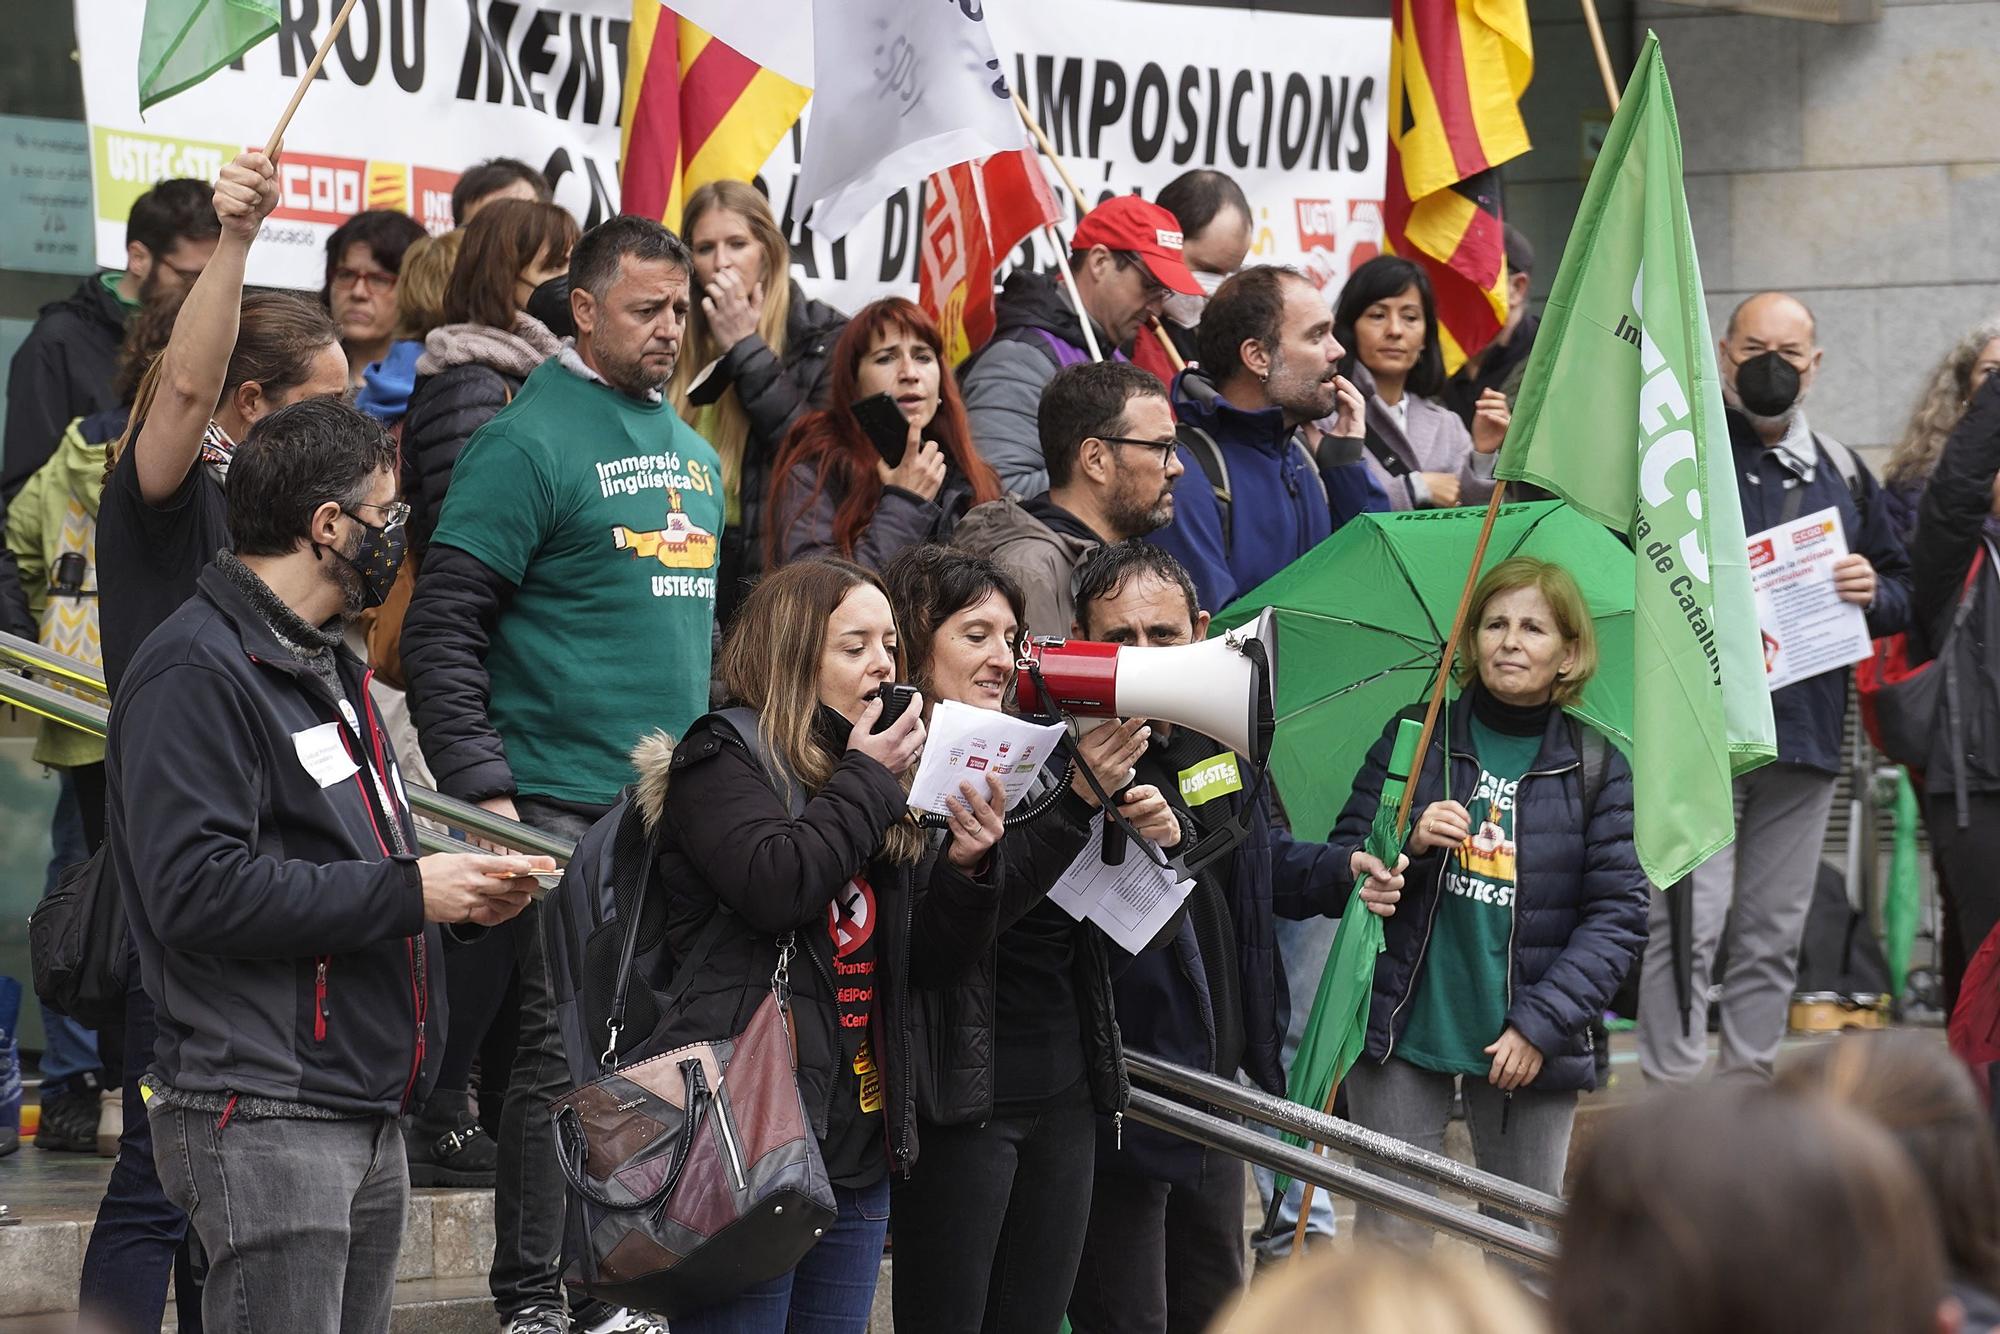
(619, 535)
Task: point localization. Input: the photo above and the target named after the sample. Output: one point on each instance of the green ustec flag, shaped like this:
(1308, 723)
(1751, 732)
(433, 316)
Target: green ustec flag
(1620, 414)
(185, 41)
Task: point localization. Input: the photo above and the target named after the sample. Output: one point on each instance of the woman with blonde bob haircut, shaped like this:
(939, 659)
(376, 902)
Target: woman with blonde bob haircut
(1524, 905)
(758, 355)
(1373, 1290)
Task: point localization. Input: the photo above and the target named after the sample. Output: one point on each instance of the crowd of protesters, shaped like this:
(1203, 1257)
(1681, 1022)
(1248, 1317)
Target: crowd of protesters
(510, 509)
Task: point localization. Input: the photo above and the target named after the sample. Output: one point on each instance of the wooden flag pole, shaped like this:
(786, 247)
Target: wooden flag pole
(1603, 54)
(306, 80)
(1417, 767)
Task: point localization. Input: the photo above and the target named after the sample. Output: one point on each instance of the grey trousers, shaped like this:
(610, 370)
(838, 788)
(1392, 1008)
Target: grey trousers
(1754, 893)
(1525, 1140)
(302, 1220)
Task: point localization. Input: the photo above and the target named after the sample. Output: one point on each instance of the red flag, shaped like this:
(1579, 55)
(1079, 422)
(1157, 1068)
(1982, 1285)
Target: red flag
(974, 215)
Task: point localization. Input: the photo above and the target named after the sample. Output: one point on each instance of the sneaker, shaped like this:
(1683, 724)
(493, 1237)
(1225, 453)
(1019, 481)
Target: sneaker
(69, 1117)
(447, 1146)
(537, 1320)
(110, 1122)
(624, 1320)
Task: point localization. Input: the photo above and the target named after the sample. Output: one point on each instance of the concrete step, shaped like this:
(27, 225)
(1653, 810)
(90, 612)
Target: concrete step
(423, 1306)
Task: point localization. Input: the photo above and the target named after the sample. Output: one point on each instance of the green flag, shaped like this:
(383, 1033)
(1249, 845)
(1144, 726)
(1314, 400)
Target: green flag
(185, 41)
(1620, 414)
(1899, 904)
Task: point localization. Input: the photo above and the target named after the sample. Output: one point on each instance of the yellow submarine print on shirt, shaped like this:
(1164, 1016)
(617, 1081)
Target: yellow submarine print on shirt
(678, 546)
(1489, 852)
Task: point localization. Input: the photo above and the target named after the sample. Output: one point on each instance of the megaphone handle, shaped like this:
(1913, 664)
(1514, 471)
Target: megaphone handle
(1113, 850)
(1117, 829)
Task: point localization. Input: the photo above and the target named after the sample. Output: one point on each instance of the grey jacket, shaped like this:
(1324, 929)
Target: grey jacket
(1041, 559)
(1434, 441)
(902, 519)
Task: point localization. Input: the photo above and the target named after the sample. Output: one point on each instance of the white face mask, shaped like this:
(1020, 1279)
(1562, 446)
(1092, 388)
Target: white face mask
(1186, 310)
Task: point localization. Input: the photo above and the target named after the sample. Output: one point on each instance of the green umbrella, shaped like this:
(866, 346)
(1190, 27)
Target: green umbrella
(1362, 620)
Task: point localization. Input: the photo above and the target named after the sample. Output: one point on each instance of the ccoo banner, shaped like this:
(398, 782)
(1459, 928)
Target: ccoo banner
(1131, 93)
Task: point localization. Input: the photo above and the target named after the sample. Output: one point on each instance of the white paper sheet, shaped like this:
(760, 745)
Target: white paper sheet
(1806, 628)
(1129, 902)
(966, 744)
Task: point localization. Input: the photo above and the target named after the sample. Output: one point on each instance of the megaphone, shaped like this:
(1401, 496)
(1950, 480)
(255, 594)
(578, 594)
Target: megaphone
(1221, 687)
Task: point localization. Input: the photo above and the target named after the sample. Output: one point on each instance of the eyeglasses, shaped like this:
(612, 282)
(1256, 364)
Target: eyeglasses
(1155, 289)
(394, 514)
(187, 276)
(375, 280)
(1166, 447)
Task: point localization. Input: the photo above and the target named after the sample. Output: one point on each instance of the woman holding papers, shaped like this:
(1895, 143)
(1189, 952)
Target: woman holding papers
(1525, 903)
(814, 850)
(1016, 1058)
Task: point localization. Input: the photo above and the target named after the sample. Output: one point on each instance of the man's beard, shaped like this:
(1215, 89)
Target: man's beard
(1304, 396)
(1137, 516)
(347, 579)
(1777, 425)
(631, 377)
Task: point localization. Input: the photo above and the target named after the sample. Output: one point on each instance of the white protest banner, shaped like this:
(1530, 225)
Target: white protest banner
(1131, 93)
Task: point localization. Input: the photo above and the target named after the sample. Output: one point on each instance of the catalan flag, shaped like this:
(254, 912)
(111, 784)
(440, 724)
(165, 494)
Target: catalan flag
(695, 111)
(1457, 69)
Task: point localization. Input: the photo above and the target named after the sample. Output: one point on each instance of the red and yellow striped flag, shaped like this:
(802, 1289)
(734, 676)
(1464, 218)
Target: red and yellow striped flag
(695, 111)
(1457, 69)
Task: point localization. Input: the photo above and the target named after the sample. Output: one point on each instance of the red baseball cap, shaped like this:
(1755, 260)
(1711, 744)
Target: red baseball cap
(1127, 222)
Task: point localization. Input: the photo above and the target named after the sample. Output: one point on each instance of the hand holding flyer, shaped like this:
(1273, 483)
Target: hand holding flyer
(1807, 629)
(968, 744)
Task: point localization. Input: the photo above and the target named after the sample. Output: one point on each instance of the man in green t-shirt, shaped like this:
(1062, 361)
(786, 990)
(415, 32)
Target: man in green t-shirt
(564, 608)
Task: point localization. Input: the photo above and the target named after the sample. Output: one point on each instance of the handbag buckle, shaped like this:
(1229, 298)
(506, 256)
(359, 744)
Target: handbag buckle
(609, 1060)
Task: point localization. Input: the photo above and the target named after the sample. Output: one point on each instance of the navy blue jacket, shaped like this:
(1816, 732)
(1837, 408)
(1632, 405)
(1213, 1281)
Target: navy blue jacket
(1580, 905)
(1811, 714)
(1163, 1000)
(1279, 508)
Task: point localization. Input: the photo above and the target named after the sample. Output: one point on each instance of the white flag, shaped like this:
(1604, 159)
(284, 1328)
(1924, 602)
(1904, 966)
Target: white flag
(902, 88)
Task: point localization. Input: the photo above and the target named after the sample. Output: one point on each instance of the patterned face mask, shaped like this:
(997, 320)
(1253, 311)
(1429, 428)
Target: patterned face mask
(379, 556)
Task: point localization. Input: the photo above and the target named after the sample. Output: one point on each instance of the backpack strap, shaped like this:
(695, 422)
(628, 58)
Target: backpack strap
(1844, 463)
(1207, 452)
(1594, 750)
(1298, 447)
(742, 724)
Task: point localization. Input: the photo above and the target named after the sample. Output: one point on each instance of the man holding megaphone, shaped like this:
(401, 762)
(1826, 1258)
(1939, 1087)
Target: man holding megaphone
(1215, 999)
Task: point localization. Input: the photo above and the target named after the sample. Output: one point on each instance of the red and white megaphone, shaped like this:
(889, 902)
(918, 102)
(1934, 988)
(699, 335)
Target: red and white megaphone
(1221, 687)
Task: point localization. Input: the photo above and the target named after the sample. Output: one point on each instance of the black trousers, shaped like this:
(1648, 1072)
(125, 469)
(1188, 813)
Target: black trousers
(989, 1224)
(1161, 1258)
(1967, 857)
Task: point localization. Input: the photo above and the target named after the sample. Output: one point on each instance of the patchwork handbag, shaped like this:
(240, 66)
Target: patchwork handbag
(692, 1174)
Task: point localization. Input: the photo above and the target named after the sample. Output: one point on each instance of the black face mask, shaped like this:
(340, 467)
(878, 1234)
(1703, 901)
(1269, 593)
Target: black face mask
(376, 560)
(1767, 385)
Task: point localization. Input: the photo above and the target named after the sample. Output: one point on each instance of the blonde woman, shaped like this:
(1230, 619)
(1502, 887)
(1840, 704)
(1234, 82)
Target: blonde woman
(1523, 905)
(1373, 1291)
(757, 356)
(1940, 408)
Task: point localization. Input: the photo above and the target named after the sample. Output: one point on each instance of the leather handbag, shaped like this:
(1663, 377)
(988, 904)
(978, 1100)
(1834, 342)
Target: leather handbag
(693, 1174)
(1904, 707)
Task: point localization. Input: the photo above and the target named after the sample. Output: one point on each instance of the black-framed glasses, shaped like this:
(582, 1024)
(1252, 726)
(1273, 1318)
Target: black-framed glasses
(1165, 447)
(1154, 288)
(375, 280)
(394, 514)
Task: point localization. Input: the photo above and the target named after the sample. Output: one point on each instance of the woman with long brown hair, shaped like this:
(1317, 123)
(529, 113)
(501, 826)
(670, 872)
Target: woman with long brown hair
(818, 854)
(754, 360)
(833, 493)
(1940, 407)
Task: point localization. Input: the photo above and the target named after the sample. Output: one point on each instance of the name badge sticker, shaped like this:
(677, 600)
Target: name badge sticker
(322, 755)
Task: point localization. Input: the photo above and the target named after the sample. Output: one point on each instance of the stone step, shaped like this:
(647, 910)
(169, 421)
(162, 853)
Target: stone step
(423, 1306)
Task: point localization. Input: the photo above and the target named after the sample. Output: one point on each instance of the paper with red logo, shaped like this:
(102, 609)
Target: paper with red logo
(1806, 628)
(1131, 902)
(968, 745)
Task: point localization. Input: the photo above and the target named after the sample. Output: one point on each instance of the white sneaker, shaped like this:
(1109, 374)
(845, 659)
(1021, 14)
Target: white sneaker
(110, 1121)
(627, 1321)
(538, 1320)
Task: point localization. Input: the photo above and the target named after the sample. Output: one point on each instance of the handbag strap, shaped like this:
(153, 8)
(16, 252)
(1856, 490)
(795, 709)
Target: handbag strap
(573, 1145)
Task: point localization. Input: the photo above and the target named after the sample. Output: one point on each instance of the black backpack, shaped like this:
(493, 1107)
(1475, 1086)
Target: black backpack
(76, 942)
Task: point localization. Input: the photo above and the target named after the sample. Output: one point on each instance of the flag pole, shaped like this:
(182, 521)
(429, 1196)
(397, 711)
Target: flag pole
(1603, 54)
(1417, 767)
(305, 80)
(1068, 284)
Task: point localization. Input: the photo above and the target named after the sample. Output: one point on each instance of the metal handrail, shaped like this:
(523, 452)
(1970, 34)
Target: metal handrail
(1356, 1183)
(63, 706)
(1346, 1137)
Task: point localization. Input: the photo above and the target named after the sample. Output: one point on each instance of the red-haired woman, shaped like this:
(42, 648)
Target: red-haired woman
(833, 494)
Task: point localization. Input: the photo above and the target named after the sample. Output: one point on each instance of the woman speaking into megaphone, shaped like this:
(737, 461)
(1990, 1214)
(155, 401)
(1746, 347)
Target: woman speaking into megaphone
(1014, 1061)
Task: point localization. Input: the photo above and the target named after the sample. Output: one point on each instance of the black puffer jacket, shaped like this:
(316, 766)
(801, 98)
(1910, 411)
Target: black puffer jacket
(467, 374)
(730, 845)
(62, 371)
(954, 1023)
(775, 392)
(1580, 908)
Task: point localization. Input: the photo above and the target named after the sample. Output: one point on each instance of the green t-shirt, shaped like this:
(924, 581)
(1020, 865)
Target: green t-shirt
(606, 516)
(1460, 1005)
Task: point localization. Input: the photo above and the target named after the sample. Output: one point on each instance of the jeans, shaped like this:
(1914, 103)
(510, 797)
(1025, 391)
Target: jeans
(1756, 893)
(71, 1048)
(528, 1185)
(990, 1224)
(141, 1237)
(1303, 947)
(831, 1291)
(1161, 1258)
(301, 1219)
(1525, 1139)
